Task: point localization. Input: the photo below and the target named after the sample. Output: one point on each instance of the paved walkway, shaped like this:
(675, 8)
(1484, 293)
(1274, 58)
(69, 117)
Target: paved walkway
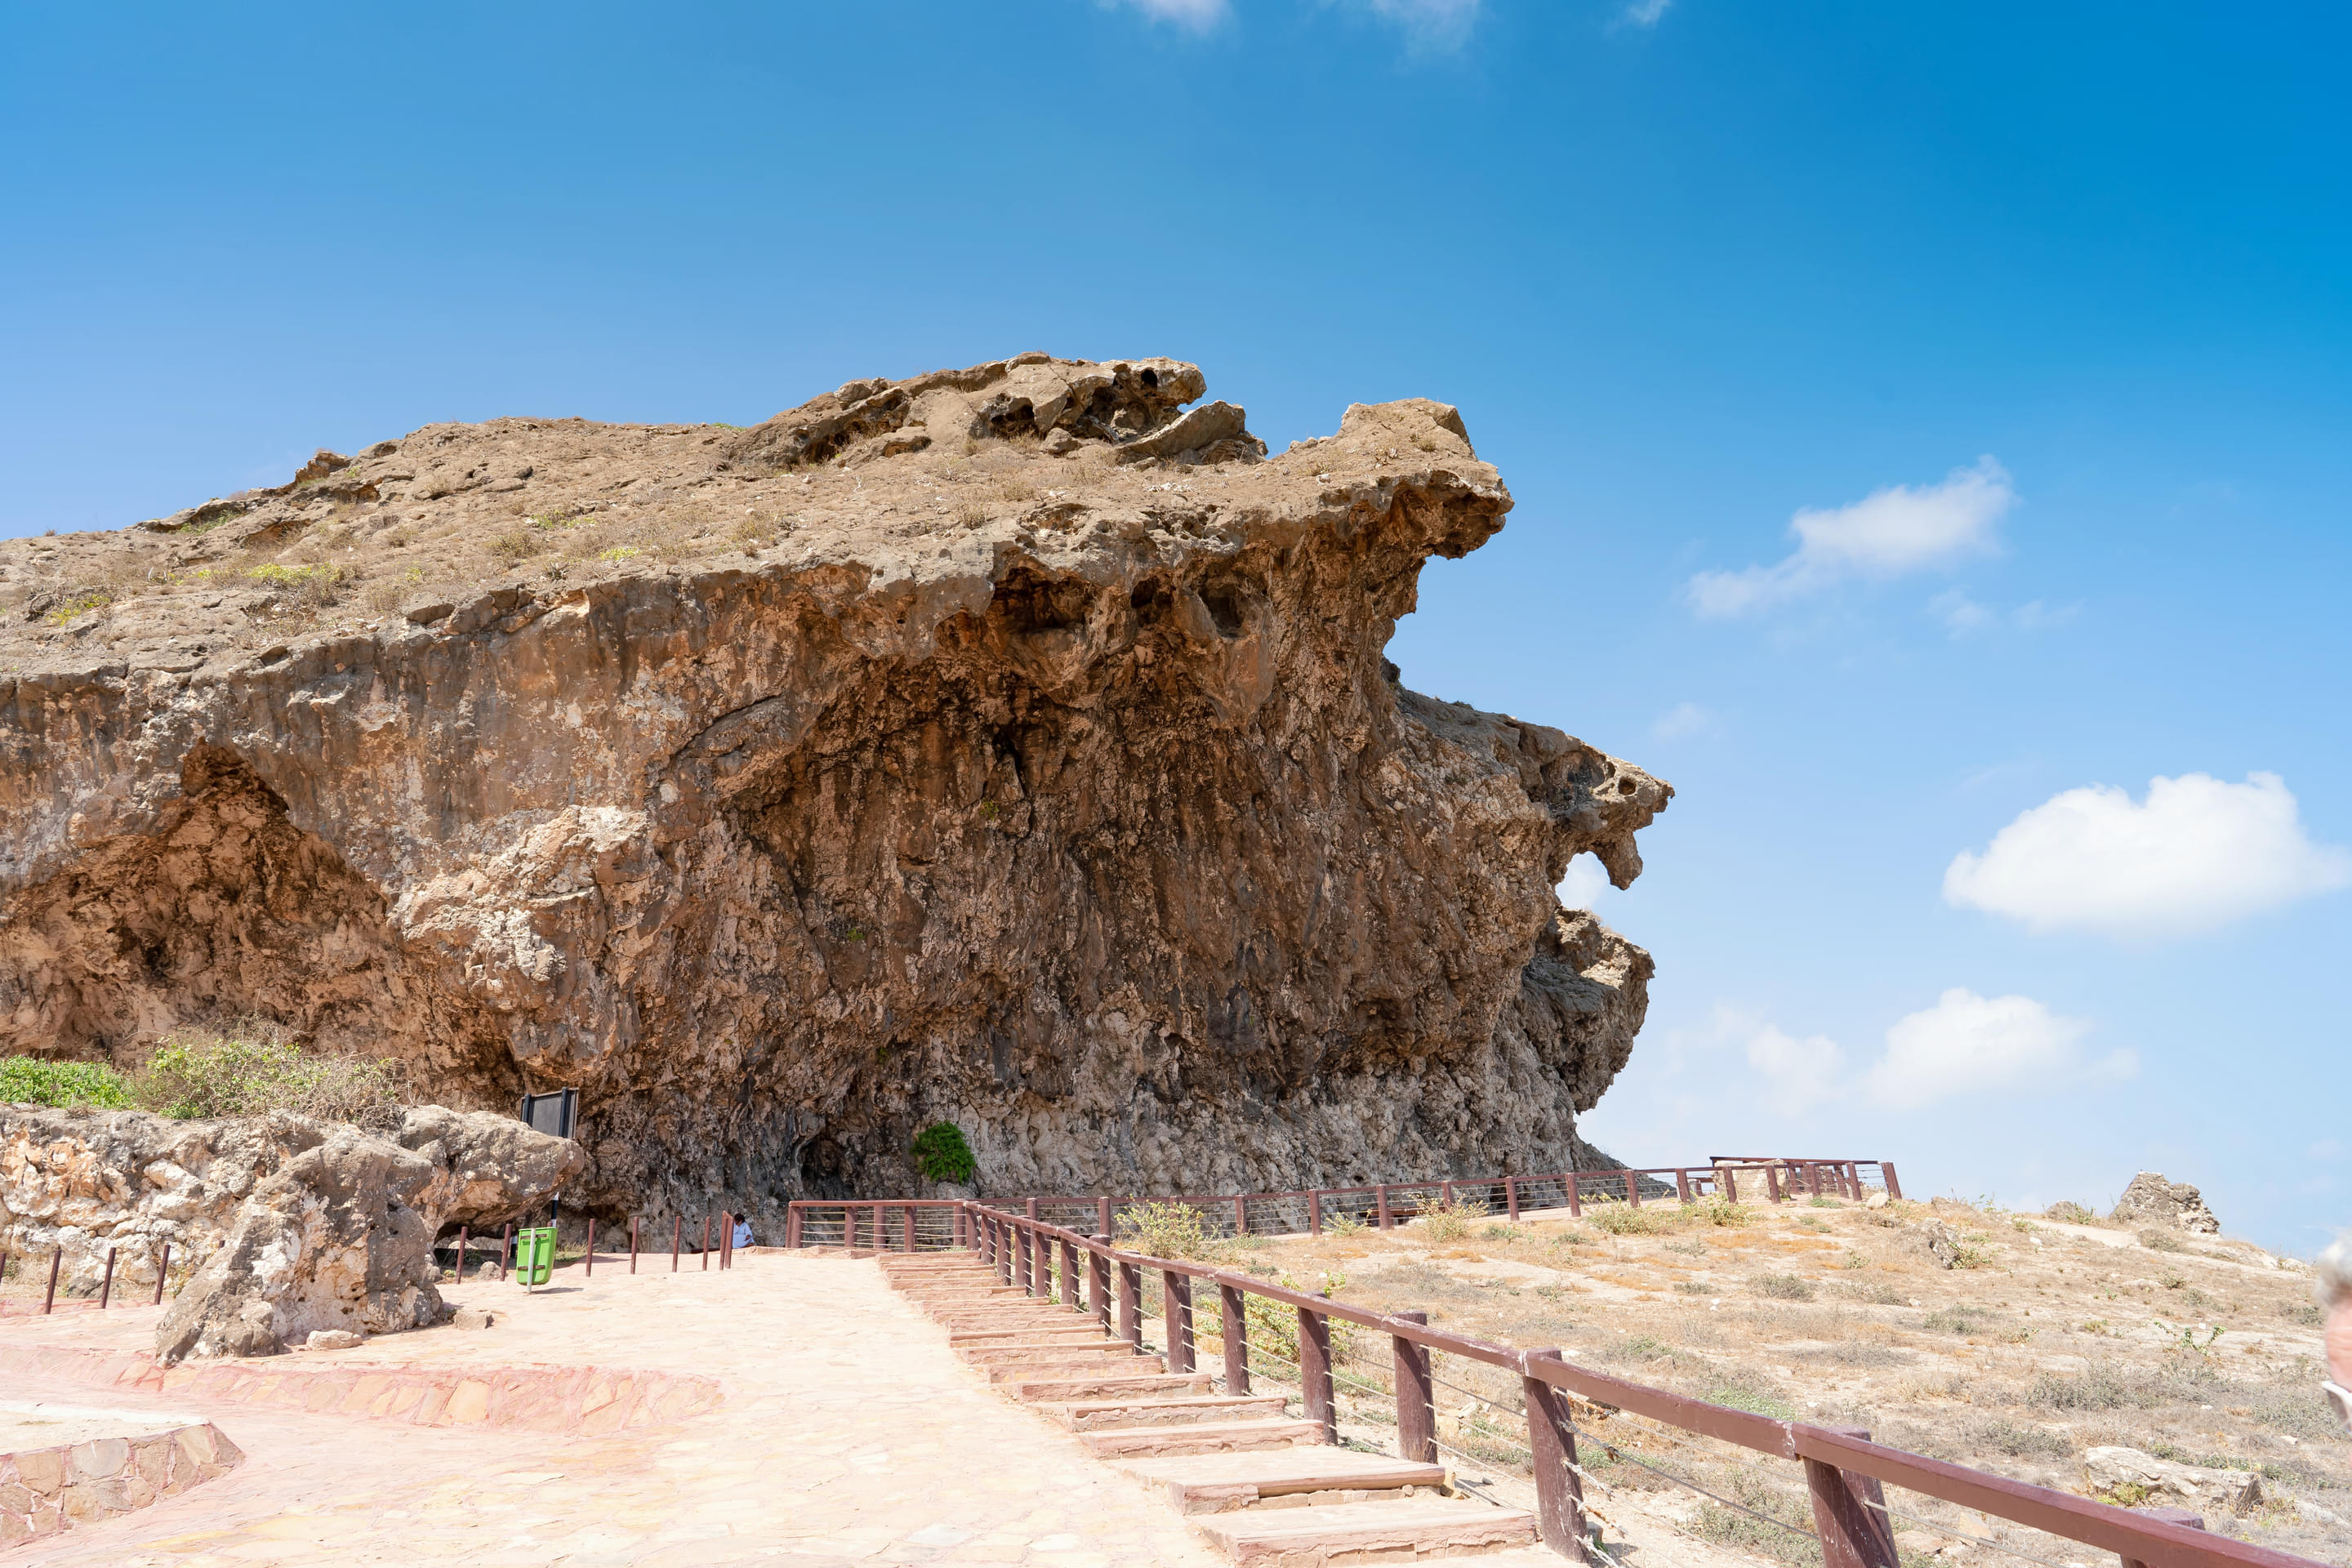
(849, 1435)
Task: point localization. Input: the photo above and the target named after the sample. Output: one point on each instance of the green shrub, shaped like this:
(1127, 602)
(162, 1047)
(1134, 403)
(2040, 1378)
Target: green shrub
(1740, 1389)
(37, 1081)
(1720, 1211)
(258, 1070)
(942, 1154)
(1449, 1219)
(1783, 1287)
(1625, 1219)
(1168, 1230)
(2068, 1211)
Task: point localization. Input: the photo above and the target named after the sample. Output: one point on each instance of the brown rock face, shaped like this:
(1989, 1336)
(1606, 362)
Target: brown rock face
(999, 746)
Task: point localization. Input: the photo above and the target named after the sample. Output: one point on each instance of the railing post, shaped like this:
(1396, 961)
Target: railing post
(1041, 1269)
(1682, 1186)
(1632, 1188)
(1241, 1216)
(1511, 1197)
(1853, 1180)
(1315, 1213)
(1099, 1284)
(591, 1272)
(1131, 1306)
(677, 1237)
(1070, 1275)
(705, 1254)
(1315, 1371)
(506, 1249)
(1415, 1398)
(910, 1228)
(1000, 1230)
(1176, 1302)
(163, 1270)
(633, 1248)
(107, 1289)
(49, 1301)
(1575, 1206)
(2179, 1515)
(1850, 1513)
(1730, 1183)
(1382, 1189)
(1551, 1440)
(880, 1245)
(1233, 1327)
(1772, 1181)
(1886, 1175)
(1102, 1219)
(1026, 1265)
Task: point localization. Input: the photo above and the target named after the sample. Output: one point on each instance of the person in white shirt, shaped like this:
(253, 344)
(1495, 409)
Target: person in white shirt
(743, 1232)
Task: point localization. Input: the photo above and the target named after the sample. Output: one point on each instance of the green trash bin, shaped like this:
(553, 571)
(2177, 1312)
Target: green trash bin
(534, 1255)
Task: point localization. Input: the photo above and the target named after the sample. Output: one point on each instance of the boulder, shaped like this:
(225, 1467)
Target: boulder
(1942, 1243)
(2151, 1200)
(341, 1238)
(2138, 1479)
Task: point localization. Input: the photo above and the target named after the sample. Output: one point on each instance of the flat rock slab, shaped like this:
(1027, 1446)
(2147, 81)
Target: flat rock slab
(1366, 1532)
(1201, 1437)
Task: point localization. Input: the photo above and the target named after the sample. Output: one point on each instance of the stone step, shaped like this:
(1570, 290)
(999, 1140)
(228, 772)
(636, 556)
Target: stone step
(1057, 1387)
(1285, 1478)
(1201, 1437)
(1106, 1415)
(1076, 1331)
(1040, 1350)
(1334, 1533)
(1120, 1365)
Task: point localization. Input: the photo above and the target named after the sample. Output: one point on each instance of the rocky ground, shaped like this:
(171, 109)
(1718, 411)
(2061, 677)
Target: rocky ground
(2046, 1342)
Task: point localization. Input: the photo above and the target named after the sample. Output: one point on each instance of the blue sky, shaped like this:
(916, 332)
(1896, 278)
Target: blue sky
(2008, 344)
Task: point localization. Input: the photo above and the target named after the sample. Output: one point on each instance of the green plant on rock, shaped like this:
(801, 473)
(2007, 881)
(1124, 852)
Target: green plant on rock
(256, 1070)
(34, 1081)
(942, 1154)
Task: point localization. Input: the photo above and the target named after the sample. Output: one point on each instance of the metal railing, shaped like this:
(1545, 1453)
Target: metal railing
(1845, 1472)
(1383, 1205)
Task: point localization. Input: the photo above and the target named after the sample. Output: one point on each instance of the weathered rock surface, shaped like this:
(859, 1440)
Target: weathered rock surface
(999, 746)
(2151, 1200)
(2144, 1478)
(294, 1226)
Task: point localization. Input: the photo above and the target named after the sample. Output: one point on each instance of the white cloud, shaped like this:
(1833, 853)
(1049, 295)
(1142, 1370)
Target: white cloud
(1797, 1074)
(1682, 721)
(1967, 1043)
(1962, 616)
(1440, 22)
(1198, 15)
(1644, 13)
(1586, 886)
(2196, 855)
(1888, 532)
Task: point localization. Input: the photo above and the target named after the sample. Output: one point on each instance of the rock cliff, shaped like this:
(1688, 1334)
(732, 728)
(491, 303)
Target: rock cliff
(1001, 745)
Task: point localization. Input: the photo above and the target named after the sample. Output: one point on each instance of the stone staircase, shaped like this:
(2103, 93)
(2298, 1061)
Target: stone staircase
(1262, 1486)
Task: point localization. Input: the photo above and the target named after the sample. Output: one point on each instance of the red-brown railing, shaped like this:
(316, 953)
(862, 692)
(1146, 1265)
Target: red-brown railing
(1845, 1471)
(1386, 1203)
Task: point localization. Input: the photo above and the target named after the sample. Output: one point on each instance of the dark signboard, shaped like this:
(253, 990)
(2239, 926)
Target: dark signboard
(555, 1113)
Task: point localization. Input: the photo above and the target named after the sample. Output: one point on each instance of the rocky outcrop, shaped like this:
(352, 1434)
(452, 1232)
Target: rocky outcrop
(2150, 1200)
(291, 1225)
(2142, 1480)
(999, 746)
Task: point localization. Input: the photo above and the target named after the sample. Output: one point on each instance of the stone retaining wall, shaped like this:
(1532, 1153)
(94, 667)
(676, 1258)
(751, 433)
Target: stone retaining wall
(44, 1490)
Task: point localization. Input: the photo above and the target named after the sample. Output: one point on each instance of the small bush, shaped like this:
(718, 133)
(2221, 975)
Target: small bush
(2020, 1442)
(941, 1154)
(2096, 1388)
(2068, 1211)
(1625, 1219)
(196, 1073)
(1449, 1219)
(1783, 1287)
(1877, 1294)
(77, 605)
(1721, 1212)
(1343, 1224)
(314, 585)
(34, 1081)
(2160, 1241)
(1825, 1202)
(1168, 1230)
(620, 552)
(1694, 1288)
(1962, 1320)
(1503, 1233)
(1742, 1390)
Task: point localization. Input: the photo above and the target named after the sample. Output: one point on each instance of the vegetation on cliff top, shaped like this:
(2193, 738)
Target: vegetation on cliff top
(251, 1071)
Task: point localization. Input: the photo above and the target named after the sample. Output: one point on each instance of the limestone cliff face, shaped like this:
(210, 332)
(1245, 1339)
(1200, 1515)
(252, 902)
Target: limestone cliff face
(999, 745)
